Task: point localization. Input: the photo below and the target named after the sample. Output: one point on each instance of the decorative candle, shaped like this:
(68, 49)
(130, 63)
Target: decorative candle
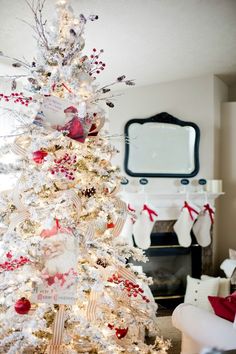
(214, 185)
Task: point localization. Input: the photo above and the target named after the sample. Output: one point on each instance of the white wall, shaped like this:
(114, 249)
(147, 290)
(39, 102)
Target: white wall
(227, 217)
(190, 100)
(232, 93)
(221, 92)
(195, 99)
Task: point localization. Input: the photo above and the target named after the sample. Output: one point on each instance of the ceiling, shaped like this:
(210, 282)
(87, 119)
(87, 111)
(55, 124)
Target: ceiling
(150, 41)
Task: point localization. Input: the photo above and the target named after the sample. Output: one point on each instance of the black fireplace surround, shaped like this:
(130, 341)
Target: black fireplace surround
(169, 264)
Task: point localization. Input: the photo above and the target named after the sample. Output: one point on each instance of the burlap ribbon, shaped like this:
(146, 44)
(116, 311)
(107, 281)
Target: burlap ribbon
(58, 329)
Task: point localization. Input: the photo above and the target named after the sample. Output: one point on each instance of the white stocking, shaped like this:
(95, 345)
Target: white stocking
(127, 230)
(144, 226)
(202, 226)
(183, 225)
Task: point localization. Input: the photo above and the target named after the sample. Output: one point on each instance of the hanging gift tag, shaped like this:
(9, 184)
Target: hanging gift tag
(59, 265)
(64, 116)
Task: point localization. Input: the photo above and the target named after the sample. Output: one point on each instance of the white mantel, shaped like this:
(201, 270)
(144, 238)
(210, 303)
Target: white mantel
(168, 205)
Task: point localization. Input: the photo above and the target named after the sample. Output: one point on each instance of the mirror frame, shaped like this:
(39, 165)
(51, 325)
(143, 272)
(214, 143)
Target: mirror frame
(168, 119)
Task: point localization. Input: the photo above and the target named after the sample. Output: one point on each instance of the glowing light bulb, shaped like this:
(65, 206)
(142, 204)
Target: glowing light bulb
(62, 2)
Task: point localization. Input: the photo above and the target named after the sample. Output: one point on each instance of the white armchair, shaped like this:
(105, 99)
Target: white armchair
(201, 329)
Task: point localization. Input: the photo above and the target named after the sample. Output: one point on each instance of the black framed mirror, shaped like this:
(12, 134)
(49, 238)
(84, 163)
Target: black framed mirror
(161, 146)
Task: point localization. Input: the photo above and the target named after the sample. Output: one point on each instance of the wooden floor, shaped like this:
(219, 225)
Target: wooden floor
(170, 332)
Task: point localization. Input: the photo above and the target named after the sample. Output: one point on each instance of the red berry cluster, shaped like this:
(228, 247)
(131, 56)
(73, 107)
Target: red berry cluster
(131, 288)
(97, 65)
(65, 166)
(16, 98)
(13, 264)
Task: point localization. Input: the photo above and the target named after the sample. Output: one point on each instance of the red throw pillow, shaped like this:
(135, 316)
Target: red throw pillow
(224, 307)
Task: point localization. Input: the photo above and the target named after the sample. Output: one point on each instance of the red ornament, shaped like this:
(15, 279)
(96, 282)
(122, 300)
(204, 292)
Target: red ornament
(121, 332)
(38, 156)
(110, 225)
(22, 306)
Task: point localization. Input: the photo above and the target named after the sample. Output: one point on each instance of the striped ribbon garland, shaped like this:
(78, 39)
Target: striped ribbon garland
(17, 218)
(18, 149)
(121, 219)
(95, 294)
(127, 274)
(58, 329)
(89, 236)
(75, 199)
(92, 304)
(21, 214)
(16, 198)
(115, 190)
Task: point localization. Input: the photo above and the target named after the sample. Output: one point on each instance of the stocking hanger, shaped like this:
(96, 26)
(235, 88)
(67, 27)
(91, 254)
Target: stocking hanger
(143, 182)
(202, 182)
(185, 182)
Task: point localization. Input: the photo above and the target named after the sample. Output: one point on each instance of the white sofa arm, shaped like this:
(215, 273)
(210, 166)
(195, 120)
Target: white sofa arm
(202, 329)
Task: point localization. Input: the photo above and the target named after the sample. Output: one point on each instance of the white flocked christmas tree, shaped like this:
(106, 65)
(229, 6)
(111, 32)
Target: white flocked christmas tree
(66, 284)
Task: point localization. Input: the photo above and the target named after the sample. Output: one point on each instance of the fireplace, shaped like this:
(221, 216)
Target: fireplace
(169, 264)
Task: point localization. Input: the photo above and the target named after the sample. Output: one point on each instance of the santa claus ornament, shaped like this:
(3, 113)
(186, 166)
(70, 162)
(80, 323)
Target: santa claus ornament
(22, 306)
